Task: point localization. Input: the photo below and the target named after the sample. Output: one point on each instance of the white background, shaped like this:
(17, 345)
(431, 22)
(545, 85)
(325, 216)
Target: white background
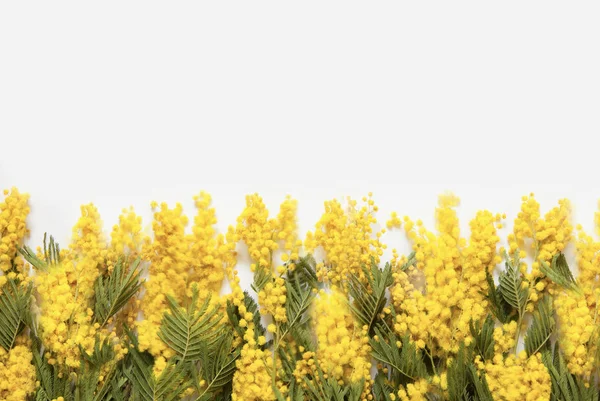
(121, 103)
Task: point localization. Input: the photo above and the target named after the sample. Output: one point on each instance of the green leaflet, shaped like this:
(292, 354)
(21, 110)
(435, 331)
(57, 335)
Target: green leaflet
(14, 311)
(186, 330)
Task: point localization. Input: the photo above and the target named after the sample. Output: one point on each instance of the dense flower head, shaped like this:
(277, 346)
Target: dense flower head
(210, 252)
(13, 229)
(517, 378)
(127, 237)
(272, 299)
(542, 237)
(287, 230)
(253, 379)
(66, 292)
(65, 323)
(264, 237)
(168, 270)
(87, 252)
(577, 327)
(454, 273)
(588, 262)
(414, 391)
(409, 302)
(343, 350)
(505, 337)
(17, 373)
(258, 232)
(346, 237)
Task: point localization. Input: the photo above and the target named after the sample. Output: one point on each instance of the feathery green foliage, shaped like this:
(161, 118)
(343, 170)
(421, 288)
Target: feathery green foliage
(401, 356)
(14, 310)
(558, 271)
(217, 365)
(381, 387)
(368, 299)
(186, 330)
(51, 254)
(113, 290)
(565, 386)
(53, 383)
(483, 337)
(498, 305)
(169, 386)
(511, 286)
(481, 390)
(327, 388)
(542, 327)
(300, 286)
(89, 386)
(458, 376)
(262, 276)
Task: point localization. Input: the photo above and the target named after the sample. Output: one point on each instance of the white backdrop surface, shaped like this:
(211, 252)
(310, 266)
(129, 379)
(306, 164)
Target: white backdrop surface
(121, 103)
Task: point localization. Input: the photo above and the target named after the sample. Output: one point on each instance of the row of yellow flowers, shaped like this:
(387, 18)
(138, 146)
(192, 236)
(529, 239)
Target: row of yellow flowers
(436, 324)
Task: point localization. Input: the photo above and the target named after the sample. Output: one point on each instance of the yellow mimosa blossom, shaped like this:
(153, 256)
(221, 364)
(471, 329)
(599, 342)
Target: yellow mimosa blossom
(518, 378)
(168, 275)
(127, 237)
(546, 236)
(414, 391)
(13, 229)
(577, 326)
(505, 337)
(87, 252)
(17, 373)
(65, 322)
(455, 279)
(272, 299)
(258, 232)
(346, 237)
(66, 292)
(343, 350)
(253, 378)
(287, 230)
(209, 251)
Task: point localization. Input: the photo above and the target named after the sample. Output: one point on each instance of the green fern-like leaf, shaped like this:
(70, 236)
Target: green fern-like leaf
(304, 272)
(481, 389)
(53, 384)
(538, 334)
(458, 376)
(558, 271)
(251, 307)
(406, 362)
(113, 291)
(565, 386)
(326, 388)
(14, 308)
(410, 261)
(262, 276)
(218, 366)
(89, 386)
(511, 287)
(498, 305)
(483, 335)
(381, 387)
(368, 299)
(51, 255)
(186, 330)
(169, 386)
(300, 296)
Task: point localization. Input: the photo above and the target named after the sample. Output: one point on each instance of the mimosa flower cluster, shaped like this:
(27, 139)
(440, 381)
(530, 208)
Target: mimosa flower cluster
(156, 311)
